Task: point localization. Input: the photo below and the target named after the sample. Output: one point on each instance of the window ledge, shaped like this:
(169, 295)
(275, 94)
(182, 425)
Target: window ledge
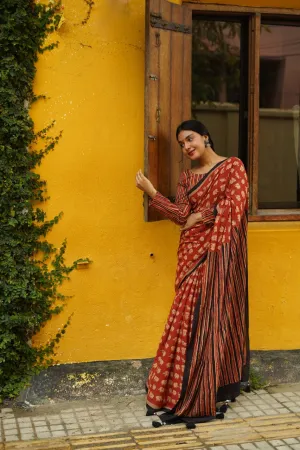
(276, 215)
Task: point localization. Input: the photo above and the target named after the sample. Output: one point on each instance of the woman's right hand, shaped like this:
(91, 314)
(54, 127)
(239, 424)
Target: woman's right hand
(192, 220)
(144, 184)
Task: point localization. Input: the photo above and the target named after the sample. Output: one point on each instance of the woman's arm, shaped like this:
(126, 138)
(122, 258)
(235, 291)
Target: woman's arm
(235, 199)
(179, 211)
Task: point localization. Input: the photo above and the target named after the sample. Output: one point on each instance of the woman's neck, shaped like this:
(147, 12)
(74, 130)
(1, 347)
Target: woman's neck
(209, 158)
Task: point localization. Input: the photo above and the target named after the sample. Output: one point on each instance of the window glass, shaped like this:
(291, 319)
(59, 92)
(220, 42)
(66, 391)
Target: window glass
(278, 167)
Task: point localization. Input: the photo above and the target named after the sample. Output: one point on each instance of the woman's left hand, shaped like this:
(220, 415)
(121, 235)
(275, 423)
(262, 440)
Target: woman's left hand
(192, 220)
(144, 184)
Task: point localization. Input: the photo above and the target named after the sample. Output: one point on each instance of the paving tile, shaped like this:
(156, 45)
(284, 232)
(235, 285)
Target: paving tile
(10, 432)
(9, 426)
(12, 438)
(27, 436)
(88, 430)
(276, 442)
(271, 412)
(288, 404)
(41, 429)
(56, 427)
(246, 414)
(264, 445)
(9, 421)
(290, 441)
(103, 429)
(248, 446)
(295, 409)
(74, 432)
(24, 420)
(26, 429)
(39, 423)
(283, 410)
(43, 435)
(70, 420)
(71, 426)
(59, 433)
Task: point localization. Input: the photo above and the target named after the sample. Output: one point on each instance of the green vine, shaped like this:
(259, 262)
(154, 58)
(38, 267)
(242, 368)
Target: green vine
(90, 4)
(31, 268)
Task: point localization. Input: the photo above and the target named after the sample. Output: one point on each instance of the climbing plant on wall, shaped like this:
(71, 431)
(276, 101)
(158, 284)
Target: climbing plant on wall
(31, 268)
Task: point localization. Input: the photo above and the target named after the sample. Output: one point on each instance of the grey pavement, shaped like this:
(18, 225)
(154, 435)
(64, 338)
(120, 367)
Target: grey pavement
(119, 414)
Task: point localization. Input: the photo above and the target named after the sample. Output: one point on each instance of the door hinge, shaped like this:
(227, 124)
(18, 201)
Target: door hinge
(157, 21)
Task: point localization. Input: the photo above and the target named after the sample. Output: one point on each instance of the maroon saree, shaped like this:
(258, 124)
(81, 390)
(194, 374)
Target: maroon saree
(204, 353)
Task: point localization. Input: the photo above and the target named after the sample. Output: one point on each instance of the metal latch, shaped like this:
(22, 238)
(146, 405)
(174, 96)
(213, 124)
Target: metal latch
(157, 21)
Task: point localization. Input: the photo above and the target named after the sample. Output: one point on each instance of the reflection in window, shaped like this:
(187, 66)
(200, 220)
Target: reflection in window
(279, 117)
(216, 81)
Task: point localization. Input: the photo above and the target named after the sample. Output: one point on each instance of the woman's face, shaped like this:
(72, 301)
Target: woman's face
(192, 144)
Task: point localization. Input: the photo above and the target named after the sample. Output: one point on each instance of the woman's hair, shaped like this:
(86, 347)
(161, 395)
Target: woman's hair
(197, 127)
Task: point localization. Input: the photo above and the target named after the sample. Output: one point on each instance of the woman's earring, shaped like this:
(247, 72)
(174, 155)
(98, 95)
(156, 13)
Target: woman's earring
(206, 143)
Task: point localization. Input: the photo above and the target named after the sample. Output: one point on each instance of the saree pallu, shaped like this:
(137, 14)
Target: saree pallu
(204, 351)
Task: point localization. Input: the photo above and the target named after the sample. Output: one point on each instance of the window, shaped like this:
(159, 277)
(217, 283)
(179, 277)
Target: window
(237, 70)
(278, 166)
(219, 72)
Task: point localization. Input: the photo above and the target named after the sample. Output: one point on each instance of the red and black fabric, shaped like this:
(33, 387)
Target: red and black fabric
(204, 351)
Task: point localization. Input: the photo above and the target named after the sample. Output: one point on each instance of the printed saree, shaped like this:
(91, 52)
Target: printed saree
(204, 351)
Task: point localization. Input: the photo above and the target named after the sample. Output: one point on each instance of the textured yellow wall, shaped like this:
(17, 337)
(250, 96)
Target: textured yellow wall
(95, 85)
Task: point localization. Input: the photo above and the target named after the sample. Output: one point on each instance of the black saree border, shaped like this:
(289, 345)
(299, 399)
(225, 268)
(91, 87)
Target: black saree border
(206, 175)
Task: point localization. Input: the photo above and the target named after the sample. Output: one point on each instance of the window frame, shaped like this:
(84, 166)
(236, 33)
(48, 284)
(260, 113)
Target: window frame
(255, 16)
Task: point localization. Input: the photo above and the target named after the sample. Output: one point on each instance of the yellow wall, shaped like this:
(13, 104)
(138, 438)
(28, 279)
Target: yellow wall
(95, 81)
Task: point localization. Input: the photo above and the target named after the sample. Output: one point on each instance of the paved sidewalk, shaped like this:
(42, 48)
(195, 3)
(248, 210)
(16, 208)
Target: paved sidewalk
(257, 421)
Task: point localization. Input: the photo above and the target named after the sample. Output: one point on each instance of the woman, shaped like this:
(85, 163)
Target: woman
(204, 353)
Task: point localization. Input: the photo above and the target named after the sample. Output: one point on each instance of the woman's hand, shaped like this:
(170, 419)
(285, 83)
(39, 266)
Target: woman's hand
(144, 184)
(192, 220)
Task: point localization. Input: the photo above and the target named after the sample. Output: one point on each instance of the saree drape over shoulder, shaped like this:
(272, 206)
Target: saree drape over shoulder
(204, 351)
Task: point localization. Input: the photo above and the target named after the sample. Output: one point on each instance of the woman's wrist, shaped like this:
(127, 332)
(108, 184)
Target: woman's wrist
(152, 193)
(198, 216)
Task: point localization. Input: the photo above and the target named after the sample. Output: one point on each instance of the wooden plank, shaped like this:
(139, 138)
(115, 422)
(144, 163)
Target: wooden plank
(151, 105)
(232, 9)
(177, 49)
(187, 77)
(164, 129)
(253, 109)
(167, 97)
